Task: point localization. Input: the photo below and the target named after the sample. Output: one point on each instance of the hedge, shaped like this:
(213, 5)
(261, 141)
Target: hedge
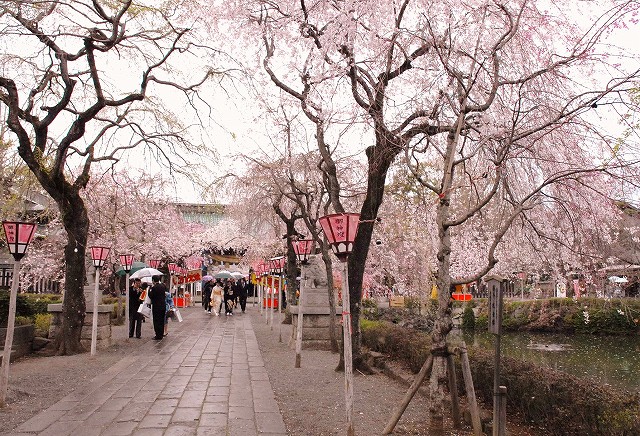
(561, 403)
(27, 305)
(620, 316)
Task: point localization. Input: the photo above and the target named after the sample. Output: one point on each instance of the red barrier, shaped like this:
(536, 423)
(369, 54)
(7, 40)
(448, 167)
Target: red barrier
(267, 302)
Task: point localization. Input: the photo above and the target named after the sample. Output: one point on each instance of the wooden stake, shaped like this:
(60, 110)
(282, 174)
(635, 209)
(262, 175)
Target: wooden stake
(453, 390)
(471, 393)
(397, 413)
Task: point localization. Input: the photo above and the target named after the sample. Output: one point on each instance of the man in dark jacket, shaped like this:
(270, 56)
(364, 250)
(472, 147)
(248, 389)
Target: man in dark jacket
(158, 306)
(241, 290)
(135, 318)
(206, 295)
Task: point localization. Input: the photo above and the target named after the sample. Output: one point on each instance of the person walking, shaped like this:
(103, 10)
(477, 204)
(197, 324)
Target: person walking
(228, 298)
(170, 307)
(241, 291)
(250, 289)
(206, 295)
(135, 318)
(216, 298)
(157, 294)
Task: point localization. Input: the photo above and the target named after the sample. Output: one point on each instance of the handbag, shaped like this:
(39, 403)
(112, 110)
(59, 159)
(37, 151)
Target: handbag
(177, 315)
(145, 310)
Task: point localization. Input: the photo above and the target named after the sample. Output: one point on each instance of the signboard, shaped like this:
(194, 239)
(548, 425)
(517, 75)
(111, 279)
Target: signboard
(396, 301)
(495, 309)
(193, 276)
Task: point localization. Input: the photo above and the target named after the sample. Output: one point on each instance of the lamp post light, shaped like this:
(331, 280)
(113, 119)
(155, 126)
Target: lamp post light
(154, 263)
(265, 286)
(99, 256)
(126, 260)
(303, 249)
(260, 273)
(173, 268)
(340, 230)
(18, 236)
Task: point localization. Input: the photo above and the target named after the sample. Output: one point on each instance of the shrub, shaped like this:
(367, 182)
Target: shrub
(563, 403)
(369, 303)
(565, 315)
(22, 307)
(42, 324)
(410, 346)
(39, 302)
(468, 318)
(23, 320)
(109, 300)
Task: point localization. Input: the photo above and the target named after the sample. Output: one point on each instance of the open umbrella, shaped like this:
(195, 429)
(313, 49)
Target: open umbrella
(145, 272)
(237, 275)
(223, 274)
(135, 266)
(207, 278)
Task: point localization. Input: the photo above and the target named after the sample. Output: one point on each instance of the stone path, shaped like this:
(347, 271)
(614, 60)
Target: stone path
(206, 378)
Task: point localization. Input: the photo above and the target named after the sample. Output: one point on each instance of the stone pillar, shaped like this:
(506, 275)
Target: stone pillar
(104, 324)
(315, 322)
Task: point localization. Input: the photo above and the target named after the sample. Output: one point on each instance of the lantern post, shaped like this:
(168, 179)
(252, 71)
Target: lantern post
(340, 230)
(277, 267)
(126, 260)
(263, 286)
(303, 249)
(272, 272)
(99, 256)
(172, 270)
(18, 236)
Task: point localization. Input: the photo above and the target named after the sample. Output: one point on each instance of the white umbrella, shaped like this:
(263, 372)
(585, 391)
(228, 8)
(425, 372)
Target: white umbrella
(237, 275)
(145, 272)
(223, 274)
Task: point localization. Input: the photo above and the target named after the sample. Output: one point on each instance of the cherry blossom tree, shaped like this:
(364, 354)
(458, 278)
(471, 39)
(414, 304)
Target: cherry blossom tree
(494, 106)
(69, 105)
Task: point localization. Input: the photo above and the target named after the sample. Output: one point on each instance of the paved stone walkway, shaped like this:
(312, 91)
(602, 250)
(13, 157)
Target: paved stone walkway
(206, 378)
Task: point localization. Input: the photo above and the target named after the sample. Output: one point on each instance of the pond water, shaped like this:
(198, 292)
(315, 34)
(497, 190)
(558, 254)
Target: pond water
(613, 360)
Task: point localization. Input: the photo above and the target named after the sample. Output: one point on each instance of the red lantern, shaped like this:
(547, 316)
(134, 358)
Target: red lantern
(303, 249)
(154, 263)
(276, 265)
(18, 235)
(172, 268)
(126, 260)
(99, 255)
(341, 230)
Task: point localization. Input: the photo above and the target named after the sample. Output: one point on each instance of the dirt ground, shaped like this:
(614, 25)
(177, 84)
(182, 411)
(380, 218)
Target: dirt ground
(311, 398)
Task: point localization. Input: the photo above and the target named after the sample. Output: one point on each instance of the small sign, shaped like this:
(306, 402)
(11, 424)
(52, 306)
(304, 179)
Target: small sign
(396, 301)
(495, 310)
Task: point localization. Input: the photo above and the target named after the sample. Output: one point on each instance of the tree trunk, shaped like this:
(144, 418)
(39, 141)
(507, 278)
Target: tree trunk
(76, 224)
(380, 158)
(443, 323)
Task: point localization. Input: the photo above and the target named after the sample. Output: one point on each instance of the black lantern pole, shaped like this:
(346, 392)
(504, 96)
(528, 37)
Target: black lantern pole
(18, 236)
